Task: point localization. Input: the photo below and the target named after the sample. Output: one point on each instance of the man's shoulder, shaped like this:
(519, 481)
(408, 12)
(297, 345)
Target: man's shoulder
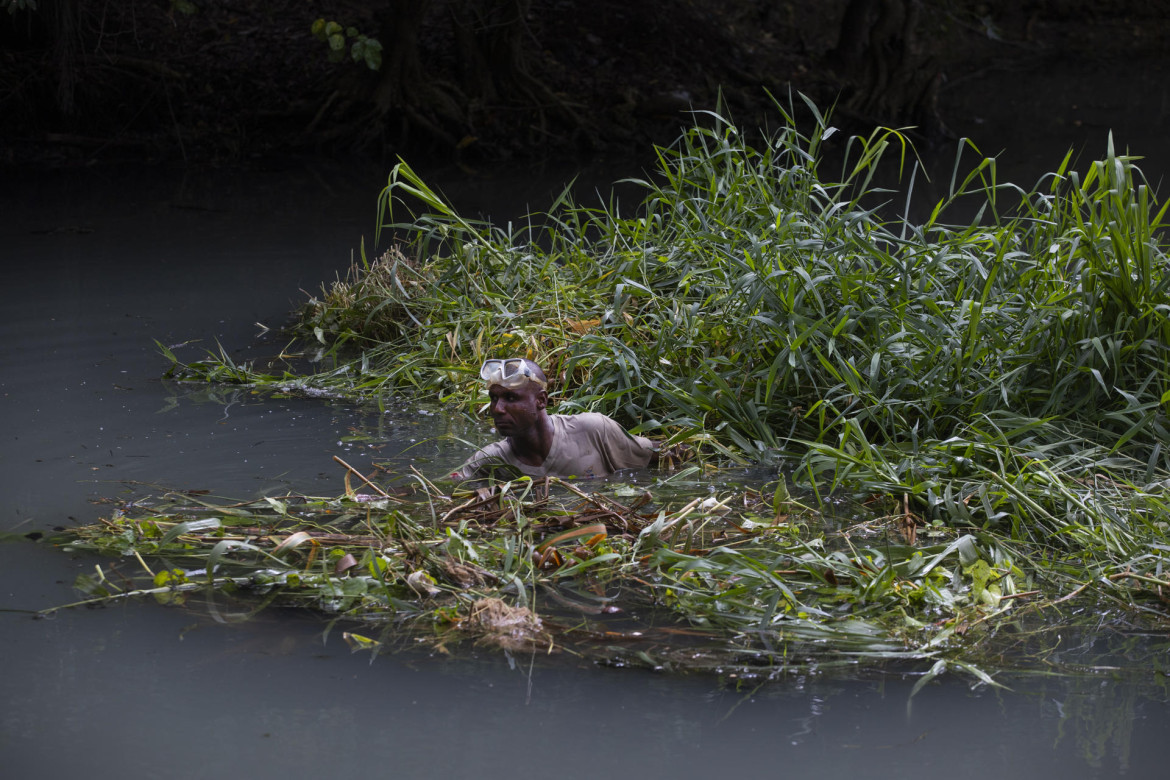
(501, 449)
(603, 439)
(584, 421)
(596, 426)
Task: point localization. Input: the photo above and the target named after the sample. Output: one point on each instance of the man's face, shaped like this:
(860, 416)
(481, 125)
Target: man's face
(515, 411)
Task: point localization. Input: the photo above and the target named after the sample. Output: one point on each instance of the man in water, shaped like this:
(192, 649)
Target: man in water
(538, 444)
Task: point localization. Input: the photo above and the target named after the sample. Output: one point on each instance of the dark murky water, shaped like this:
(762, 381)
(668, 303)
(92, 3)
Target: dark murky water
(98, 264)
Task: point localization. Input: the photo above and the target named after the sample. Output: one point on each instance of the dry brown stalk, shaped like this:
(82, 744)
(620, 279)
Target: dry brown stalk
(362, 477)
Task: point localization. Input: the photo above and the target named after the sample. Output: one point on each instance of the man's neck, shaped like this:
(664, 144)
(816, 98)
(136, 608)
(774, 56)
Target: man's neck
(532, 448)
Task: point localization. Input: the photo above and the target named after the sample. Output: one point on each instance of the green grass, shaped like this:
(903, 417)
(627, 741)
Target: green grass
(1005, 376)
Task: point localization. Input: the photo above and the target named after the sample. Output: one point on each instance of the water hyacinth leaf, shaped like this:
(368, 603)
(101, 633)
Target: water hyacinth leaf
(780, 496)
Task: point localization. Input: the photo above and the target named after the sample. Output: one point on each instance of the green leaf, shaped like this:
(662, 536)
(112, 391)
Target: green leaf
(168, 577)
(189, 527)
(587, 563)
(940, 667)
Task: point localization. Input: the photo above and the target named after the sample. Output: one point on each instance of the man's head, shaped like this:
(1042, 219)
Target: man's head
(516, 388)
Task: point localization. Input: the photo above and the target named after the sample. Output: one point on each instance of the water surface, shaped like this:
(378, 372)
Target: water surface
(98, 265)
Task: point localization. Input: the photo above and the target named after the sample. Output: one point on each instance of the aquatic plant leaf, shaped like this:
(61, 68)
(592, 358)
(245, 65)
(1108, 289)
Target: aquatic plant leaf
(189, 527)
(939, 668)
(293, 541)
(358, 642)
(573, 533)
(597, 561)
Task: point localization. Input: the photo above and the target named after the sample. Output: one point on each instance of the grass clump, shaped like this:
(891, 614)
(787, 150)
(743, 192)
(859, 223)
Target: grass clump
(369, 304)
(751, 300)
(1005, 376)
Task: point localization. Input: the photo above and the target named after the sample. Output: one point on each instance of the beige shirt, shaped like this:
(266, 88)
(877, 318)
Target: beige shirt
(584, 445)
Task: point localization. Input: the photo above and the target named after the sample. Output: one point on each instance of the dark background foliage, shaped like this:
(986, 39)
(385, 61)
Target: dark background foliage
(475, 80)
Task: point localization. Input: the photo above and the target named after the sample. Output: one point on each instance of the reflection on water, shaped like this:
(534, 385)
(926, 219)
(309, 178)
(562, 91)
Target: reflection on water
(100, 265)
(128, 690)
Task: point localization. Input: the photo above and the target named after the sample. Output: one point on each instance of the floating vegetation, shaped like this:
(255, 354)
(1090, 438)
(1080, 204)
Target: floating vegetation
(996, 387)
(744, 583)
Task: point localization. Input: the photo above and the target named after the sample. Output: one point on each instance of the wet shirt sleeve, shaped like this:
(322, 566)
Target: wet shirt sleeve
(493, 459)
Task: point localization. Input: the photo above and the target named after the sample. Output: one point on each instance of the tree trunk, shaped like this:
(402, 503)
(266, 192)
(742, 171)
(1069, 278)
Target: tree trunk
(488, 42)
(406, 90)
(892, 76)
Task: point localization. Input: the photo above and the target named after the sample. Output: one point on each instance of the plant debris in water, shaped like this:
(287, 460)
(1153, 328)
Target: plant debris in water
(996, 387)
(745, 583)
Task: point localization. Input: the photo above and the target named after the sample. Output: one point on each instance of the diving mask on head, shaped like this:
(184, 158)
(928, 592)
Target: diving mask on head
(512, 373)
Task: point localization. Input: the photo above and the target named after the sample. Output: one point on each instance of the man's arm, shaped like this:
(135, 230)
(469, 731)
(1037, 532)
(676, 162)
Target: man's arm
(621, 450)
(482, 463)
(625, 450)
